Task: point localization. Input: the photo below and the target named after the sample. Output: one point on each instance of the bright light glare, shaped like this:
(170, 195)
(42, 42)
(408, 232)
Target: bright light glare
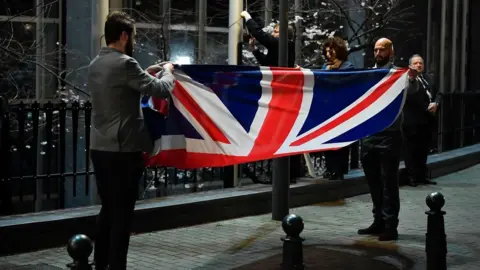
(183, 60)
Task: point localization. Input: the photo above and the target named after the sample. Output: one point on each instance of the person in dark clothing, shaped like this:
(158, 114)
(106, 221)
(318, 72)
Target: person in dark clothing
(381, 159)
(336, 52)
(419, 116)
(271, 43)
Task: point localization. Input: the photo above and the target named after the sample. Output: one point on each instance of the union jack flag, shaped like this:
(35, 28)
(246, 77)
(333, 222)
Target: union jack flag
(225, 115)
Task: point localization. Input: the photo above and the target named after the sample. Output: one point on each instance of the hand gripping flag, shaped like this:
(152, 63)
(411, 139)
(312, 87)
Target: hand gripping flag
(225, 115)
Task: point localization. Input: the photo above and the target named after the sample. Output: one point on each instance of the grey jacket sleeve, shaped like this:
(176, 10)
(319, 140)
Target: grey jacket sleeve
(145, 83)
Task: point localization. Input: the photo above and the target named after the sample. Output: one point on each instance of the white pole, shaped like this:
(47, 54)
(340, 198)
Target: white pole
(116, 5)
(100, 13)
(235, 23)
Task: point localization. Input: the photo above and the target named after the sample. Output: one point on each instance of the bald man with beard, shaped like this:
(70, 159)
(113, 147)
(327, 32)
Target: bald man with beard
(381, 158)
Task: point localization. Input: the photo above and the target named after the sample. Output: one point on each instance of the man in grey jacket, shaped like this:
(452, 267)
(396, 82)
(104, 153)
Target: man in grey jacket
(118, 134)
(381, 158)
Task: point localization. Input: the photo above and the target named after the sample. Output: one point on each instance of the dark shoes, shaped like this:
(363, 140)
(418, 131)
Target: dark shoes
(388, 235)
(332, 176)
(374, 229)
(413, 183)
(378, 228)
(336, 176)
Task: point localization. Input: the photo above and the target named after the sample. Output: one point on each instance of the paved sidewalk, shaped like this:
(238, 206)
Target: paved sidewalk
(329, 227)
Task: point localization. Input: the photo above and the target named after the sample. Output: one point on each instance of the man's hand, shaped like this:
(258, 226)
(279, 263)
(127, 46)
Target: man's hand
(168, 67)
(153, 69)
(244, 14)
(412, 73)
(252, 44)
(432, 108)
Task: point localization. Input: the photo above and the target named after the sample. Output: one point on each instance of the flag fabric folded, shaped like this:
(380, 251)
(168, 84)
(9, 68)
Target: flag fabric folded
(225, 115)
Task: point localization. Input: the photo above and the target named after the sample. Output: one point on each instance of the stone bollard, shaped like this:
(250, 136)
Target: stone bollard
(292, 244)
(436, 240)
(79, 248)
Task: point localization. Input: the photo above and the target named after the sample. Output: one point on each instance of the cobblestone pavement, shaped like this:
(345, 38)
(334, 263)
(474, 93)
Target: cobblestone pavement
(233, 243)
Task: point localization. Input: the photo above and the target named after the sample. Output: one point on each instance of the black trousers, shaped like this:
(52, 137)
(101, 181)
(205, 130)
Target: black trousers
(117, 177)
(297, 169)
(417, 140)
(337, 161)
(380, 160)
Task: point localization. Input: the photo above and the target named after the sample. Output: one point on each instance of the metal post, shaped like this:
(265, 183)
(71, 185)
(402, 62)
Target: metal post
(298, 34)
(39, 95)
(436, 239)
(202, 38)
(442, 65)
(281, 166)
(428, 58)
(453, 48)
(79, 248)
(235, 24)
(268, 12)
(463, 65)
(292, 251)
(463, 50)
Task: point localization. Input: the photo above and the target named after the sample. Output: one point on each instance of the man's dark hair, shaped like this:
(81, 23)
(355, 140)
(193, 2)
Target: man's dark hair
(339, 45)
(290, 31)
(117, 23)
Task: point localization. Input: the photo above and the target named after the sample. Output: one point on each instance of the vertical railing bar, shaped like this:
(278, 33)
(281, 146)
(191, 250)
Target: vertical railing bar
(62, 128)
(21, 115)
(49, 143)
(35, 107)
(75, 108)
(87, 113)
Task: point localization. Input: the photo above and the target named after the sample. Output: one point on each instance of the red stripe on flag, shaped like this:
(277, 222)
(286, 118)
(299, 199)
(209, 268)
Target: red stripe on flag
(196, 111)
(287, 95)
(374, 96)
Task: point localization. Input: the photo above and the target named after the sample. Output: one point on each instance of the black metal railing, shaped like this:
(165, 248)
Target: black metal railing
(49, 162)
(44, 157)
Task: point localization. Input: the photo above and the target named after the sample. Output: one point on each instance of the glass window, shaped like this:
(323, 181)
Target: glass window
(51, 8)
(28, 8)
(17, 71)
(149, 11)
(217, 48)
(16, 79)
(183, 11)
(182, 46)
(14, 7)
(148, 48)
(217, 13)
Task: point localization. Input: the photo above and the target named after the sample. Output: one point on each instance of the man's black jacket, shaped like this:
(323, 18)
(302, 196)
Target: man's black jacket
(271, 43)
(415, 109)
